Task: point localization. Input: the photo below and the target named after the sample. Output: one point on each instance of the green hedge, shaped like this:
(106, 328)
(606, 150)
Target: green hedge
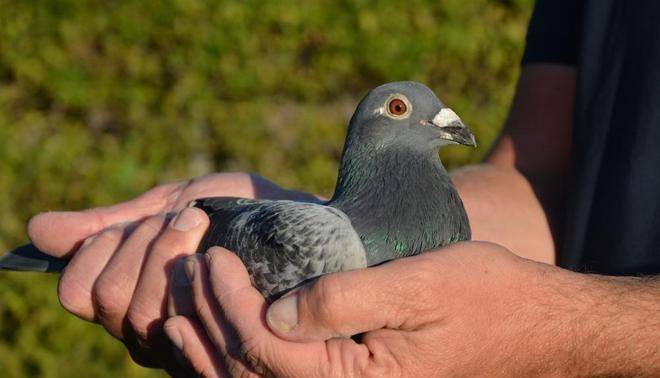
(100, 100)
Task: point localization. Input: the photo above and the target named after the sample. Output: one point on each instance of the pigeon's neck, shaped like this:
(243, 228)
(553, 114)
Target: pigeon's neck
(395, 199)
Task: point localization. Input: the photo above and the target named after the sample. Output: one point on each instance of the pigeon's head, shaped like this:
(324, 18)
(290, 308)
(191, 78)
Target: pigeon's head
(406, 114)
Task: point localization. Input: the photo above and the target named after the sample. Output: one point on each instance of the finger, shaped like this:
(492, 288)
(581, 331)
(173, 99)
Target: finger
(348, 303)
(190, 340)
(244, 308)
(77, 280)
(148, 306)
(180, 301)
(225, 339)
(115, 286)
(216, 184)
(60, 233)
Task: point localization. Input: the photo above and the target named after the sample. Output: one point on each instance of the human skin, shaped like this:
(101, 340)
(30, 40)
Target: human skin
(522, 184)
(509, 193)
(470, 309)
(104, 283)
(467, 310)
(122, 256)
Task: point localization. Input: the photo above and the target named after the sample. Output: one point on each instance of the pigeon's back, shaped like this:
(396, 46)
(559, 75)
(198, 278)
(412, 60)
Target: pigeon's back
(282, 243)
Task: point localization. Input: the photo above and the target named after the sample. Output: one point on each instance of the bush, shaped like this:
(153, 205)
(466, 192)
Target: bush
(101, 100)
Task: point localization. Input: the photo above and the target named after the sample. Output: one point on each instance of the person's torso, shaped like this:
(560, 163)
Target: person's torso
(613, 221)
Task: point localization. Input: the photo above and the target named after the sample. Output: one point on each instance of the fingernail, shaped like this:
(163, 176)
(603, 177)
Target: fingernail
(186, 220)
(88, 241)
(189, 267)
(179, 275)
(175, 337)
(283, 314)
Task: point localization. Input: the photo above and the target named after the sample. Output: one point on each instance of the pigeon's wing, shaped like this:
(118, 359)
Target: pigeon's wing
(28, 258)
(282, 243)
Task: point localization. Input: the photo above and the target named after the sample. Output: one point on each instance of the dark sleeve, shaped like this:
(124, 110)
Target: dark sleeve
(554, 32)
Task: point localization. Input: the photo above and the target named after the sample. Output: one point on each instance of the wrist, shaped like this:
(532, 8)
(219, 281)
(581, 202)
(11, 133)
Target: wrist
(554, 334)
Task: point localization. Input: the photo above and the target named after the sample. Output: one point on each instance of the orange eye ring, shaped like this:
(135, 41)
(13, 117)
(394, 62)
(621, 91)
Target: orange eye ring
(397, 107)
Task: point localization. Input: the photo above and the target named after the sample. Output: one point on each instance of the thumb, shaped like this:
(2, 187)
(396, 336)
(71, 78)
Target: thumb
(348, 303)
(60, 233)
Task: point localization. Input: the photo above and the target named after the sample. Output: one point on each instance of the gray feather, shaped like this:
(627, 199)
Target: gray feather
(27, 258)
(282, 243)
(393, 199)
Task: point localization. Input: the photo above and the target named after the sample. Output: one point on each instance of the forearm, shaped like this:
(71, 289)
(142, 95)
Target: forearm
(503, 208)
(611, 326)
(517, 197)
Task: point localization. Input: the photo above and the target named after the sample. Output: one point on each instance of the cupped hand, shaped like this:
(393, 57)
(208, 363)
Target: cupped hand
(122, 255)
(469, 309)
(60, 233)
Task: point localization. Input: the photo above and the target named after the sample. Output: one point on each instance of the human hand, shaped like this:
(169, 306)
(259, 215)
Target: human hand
(469, 309)
(122, 255)
(60, 233)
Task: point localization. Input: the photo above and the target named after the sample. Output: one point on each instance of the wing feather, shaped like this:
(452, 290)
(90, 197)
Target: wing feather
(282, 243)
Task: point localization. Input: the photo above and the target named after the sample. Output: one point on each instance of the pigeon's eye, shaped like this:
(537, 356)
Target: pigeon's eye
(397, 107)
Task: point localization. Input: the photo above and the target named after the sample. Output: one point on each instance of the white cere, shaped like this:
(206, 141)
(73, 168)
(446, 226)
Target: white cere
(445, 117)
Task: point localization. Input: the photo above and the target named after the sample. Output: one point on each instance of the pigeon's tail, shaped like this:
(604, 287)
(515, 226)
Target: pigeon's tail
(27, 258)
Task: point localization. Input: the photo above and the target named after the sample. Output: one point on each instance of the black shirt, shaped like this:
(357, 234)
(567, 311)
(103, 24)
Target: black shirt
(613, 218)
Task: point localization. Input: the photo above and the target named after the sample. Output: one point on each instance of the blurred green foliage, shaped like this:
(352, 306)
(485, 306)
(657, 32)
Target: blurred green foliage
(100, 100)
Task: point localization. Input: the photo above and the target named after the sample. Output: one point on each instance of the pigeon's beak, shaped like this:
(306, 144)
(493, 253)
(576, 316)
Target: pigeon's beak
(452, 128)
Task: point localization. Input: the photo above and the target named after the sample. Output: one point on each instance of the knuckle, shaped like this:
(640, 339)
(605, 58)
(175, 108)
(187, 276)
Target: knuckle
(156, 192)
(325, 297)
(107, 296)
(113, 235)
(160, 196)
(142, 324)
(251, 354)
(388, 366)
(153, 225)
(231, 364)
(234, 368)
(418, 279)
(172, 244)
(414, 292)
(200, 308)
(388, 362)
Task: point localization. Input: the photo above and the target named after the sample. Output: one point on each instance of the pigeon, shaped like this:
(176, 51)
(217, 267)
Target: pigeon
(393, 199)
